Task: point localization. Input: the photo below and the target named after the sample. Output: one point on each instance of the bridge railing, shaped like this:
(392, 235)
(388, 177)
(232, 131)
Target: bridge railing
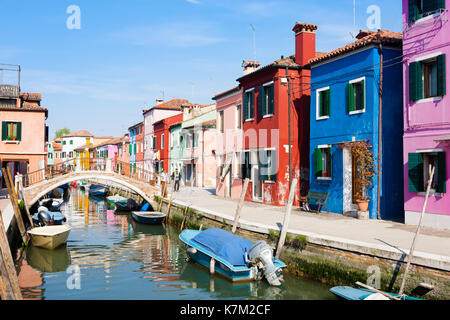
(133, 171)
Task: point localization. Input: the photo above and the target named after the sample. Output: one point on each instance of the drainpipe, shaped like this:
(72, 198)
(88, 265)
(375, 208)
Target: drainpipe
(289, 115)
(203, 157)
(380, 137)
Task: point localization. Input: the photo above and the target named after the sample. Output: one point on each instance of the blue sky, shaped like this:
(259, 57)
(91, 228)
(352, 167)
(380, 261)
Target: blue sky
(127, 53)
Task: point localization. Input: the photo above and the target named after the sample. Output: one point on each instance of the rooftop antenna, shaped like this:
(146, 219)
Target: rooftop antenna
(254, 41)
(354, 18)
(192, 86)
(162, 91)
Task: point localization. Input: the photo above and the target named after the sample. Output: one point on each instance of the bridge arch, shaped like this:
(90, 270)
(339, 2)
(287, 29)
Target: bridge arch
(35, 192)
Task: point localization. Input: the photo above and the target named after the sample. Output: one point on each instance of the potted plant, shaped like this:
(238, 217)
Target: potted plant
(365, 162)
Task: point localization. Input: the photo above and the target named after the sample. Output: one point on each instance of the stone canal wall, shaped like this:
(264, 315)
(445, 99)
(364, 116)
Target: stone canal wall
(333, 266)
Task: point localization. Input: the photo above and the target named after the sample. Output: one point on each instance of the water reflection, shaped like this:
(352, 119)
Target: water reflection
(122, 259)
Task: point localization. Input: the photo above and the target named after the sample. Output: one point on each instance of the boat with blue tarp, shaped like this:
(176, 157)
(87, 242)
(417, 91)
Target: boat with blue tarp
(234, 257)
(350, 293)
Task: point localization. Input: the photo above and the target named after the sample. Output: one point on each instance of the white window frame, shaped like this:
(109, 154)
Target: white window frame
(247, 91)
(221, 121)
(318, 91)
(266, 97)
(162, 141)
(325, 146)
(238, 116)
(365, 95)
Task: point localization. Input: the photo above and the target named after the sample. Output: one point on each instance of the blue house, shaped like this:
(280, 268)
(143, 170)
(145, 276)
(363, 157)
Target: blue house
(345, 108)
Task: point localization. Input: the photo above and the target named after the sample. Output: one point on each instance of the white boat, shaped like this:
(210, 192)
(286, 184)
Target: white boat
(117, 198)
(50, 237)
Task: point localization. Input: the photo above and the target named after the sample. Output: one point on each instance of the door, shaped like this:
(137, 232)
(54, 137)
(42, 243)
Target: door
(256, 183)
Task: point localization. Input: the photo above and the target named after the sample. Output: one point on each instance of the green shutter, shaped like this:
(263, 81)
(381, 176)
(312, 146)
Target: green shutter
(271, 107)
(441, 75)
(19, 131)
(262, 176)
(261, 102)
(415, 172)
(274, 168)
(363, 87)
(415, 81)
(252, 105)
(350, 97)
(318, 162)
(413, 11)
(4, 131)
(328, 102)
(245, 105)
(442, 173)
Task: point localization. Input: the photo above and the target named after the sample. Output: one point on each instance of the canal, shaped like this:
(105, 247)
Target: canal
(110, 256)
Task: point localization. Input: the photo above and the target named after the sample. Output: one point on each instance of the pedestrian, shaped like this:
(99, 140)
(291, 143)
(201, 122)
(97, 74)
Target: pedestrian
(177, 180)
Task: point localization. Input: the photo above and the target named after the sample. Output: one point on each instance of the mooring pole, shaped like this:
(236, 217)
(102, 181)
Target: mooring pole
(240, 205)
(287, 217)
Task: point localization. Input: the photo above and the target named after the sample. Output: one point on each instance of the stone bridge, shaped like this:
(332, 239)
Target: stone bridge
(143, 188)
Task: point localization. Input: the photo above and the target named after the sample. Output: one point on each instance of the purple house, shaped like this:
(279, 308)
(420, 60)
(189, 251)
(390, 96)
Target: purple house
(426, 31)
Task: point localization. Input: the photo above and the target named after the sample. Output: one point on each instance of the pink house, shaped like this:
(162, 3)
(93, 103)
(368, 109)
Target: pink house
(229, 143)
(426, 110)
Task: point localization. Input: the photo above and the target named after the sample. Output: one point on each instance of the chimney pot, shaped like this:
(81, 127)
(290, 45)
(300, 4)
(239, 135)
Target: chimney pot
(305, 42)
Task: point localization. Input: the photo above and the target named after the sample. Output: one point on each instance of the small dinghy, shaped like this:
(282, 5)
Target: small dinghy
(233, 257)
(97, 190)
(147, 217)
(116, 198)
(350, 293)
(50, 237)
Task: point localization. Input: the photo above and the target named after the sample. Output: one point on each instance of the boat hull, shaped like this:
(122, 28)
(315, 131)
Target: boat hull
(148, 217)
(49, 237)
(350, 293)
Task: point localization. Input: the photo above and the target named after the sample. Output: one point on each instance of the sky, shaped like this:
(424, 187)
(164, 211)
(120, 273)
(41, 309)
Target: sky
(127, 54)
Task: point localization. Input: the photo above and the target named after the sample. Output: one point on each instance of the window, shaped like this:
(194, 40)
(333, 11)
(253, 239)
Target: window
(237, 165)
(421, 8)
(249, 105)
(71, 141)
(64, 142)
(267, 166)
(11, 131)
(246, 166)
(162, 141)
(195, 136)
(266, 100)
(356, 96)
(63, 154)
(154, 142)
(427, 78)
(238, 116)
(70, 154)
(322, 162)
(418, 171)
(181, 139)
(221, 122)
(323, 102)
(188, 140)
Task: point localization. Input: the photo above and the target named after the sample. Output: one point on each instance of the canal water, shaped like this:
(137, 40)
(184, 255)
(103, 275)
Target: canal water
(110, 256)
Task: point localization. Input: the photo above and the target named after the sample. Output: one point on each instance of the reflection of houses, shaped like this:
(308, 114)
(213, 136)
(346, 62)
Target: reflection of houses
(426, 110)
(345, 108)
(24, 133)
(229, 143)
(199, 131)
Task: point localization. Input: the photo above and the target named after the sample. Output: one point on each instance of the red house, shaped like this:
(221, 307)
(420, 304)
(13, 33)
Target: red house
(276, 103)
(160, 141)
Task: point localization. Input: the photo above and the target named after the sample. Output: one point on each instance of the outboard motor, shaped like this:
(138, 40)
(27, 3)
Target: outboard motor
(261, 254)
(44, 218)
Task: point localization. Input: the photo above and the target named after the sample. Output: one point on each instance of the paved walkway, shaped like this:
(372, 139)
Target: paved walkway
(331, 229)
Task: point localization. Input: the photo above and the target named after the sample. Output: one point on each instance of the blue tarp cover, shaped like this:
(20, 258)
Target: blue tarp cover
(225, 245)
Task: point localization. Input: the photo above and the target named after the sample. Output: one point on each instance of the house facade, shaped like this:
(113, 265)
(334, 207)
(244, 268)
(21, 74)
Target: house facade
(23, 135)
(74, 140)
(161, 141)
(136, 146)
(426, 35)
(346, 107)
(200, 137)
(229, 143)
(156, 113)
(275, 114)
(176, 150)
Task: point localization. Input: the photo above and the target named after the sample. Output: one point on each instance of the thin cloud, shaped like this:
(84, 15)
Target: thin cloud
(193, 1)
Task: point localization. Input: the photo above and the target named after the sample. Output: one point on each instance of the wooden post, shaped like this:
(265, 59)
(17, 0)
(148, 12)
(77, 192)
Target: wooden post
(22, 194)
(184, 218)
(287, 216)
(170, 205)
(9, 284)
(240, 205)
(411, 252)
(15, 205)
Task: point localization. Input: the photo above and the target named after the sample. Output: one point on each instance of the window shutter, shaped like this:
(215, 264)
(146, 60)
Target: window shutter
(363, 85)
(415, 81)
(350, 97)
(413, 10)
(327, 102)
(261, 102)
(442, 173)
(271, 107)
(318, 162)
(245, 107)
(4, 131)
(252, 105)
(441, 75)
(262, 170)
(441, 4)
(274, 167)
(415, 172)
(19, 131)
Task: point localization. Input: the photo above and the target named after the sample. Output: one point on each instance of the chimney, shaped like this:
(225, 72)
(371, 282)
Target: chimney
(250, 66)
(305, 42)
(159, 101)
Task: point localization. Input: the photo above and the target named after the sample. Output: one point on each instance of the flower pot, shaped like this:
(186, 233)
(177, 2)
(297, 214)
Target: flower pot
(363, 205)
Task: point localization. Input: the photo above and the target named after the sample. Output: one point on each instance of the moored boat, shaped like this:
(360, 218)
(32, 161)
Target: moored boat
(49, 237)
(51, 204)
(233, 257)
(97, 190)
(147, 217)
(350, 293)
(45, 217)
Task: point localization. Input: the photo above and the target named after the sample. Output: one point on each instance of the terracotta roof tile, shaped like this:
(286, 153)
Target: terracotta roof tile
(365, 38)
(79, 133)
(174, 104)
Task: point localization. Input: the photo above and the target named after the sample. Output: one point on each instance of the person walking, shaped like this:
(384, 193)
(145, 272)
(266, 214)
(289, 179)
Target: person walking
(176, 178)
